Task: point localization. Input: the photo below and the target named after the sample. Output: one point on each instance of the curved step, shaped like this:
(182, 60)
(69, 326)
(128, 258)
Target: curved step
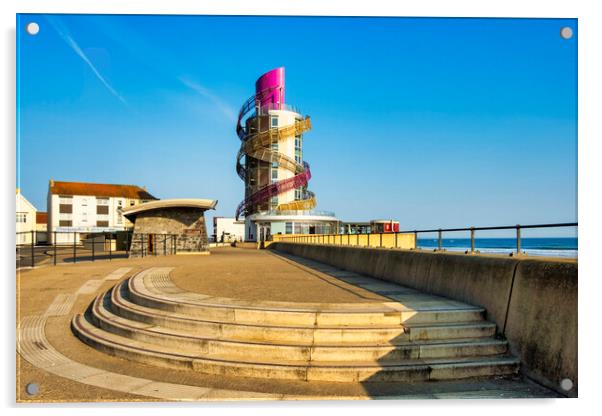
(373, 334)
(361, 371)
(216, 309)
(273, 351)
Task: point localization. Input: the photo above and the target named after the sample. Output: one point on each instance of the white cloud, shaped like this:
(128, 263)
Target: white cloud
(223, 107)
(61, 30)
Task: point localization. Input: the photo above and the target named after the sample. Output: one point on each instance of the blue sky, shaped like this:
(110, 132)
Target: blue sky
(434, 122)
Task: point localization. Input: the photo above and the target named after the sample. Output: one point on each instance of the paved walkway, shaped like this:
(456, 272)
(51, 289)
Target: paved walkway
(68, 370)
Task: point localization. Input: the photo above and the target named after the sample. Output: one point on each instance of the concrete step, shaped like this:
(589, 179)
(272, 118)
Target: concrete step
(354, 371)
(317, 335)
(275, 351)
(390, 313)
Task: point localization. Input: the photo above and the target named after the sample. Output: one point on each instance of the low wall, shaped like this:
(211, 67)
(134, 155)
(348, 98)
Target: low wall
(381, 240)
(532, 301)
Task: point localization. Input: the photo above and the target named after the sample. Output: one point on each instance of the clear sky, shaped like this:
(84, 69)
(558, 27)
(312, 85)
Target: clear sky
(434, 122)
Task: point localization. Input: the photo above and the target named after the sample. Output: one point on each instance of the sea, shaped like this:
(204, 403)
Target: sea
(540, 246)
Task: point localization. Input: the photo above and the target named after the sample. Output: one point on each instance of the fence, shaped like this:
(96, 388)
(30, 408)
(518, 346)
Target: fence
(71, 247)
(402, 239)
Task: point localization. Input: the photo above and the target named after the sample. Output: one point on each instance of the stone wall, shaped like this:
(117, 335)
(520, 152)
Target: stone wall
(169, 231)
(532, 301)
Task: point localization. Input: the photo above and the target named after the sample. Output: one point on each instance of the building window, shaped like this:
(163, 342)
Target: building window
(21, 217)
(65, 199)
(288, 228)
(274, 122)
(66, 208)
(102, 223)
(65, 223)
(274, 174)
(102, 209)
(102, 201)
(132, 203)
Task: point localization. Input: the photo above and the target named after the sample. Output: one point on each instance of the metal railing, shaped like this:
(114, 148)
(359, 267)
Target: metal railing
(72, 247)
(392, 239)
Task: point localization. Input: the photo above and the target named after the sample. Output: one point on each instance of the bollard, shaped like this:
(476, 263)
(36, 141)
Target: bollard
(111, 246)
(440, 240)
(517, 238)
(93, 244)
(74, 249)
(32, 248)
(54, 246)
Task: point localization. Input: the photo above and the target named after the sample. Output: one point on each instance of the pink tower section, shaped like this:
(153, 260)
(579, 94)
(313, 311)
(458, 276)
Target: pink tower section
(269, 88)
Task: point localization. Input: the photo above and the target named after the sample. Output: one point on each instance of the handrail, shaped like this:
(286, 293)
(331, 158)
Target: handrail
(503, 227)
(325, 238)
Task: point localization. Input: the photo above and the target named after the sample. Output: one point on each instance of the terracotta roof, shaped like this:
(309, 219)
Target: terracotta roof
(41, 217)
(99, 189)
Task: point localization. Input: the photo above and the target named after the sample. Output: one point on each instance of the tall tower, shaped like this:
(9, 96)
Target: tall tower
(270, 160)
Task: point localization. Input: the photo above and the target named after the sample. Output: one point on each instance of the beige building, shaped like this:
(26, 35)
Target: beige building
(79, 207)
(26, 219)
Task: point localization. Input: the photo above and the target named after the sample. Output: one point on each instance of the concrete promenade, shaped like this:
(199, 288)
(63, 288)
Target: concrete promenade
(67, 369)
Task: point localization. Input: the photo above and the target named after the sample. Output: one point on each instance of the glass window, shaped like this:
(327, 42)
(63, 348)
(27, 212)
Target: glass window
(274, 174)
(21, 217)
(288, 228)
(274, 122)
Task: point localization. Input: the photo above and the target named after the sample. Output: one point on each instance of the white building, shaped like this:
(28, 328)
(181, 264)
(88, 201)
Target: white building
(78, 207)
(41, 227)
(26, 219)
(272, 165)
(227, 230)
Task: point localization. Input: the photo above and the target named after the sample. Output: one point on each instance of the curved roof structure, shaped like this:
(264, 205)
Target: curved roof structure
(170, 203)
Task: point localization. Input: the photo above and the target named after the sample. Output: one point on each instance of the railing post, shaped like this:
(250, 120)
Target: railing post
(381, 240)
(142, 245)
(165, 244)
(415, 239)
(471, 239)
(358, 239)
(396, 235)
(93, 244)
(368, 239)
(440, 240)
(32, 248)
(111, 247)
(54, 246)
(517, 238)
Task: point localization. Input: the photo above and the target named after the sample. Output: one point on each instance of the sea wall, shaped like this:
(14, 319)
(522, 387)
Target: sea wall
(532, 301)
